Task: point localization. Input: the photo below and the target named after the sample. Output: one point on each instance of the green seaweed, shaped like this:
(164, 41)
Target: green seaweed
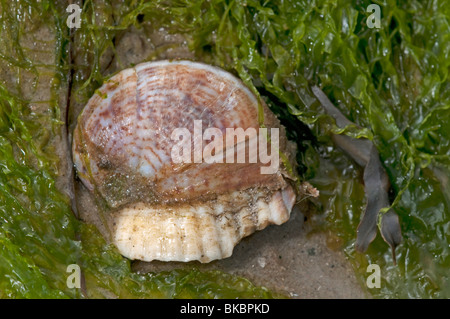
(392, 82)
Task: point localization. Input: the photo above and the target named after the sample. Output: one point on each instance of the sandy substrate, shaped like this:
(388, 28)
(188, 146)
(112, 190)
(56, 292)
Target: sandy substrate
(291, 259)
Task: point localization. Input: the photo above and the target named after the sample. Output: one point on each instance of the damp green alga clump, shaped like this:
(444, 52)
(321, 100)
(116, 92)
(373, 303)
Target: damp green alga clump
(392, 82)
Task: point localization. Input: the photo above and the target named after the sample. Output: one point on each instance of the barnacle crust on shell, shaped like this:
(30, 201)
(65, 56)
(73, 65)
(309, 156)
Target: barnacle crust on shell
(170, 211)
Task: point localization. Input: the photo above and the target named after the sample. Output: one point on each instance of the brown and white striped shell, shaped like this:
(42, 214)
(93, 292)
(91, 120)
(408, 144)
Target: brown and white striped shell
(176, 211)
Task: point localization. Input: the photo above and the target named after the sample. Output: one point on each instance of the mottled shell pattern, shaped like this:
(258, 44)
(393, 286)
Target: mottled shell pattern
(176, 211)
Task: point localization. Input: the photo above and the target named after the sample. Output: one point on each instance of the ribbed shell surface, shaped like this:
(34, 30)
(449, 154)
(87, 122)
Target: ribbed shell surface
(122, 150)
